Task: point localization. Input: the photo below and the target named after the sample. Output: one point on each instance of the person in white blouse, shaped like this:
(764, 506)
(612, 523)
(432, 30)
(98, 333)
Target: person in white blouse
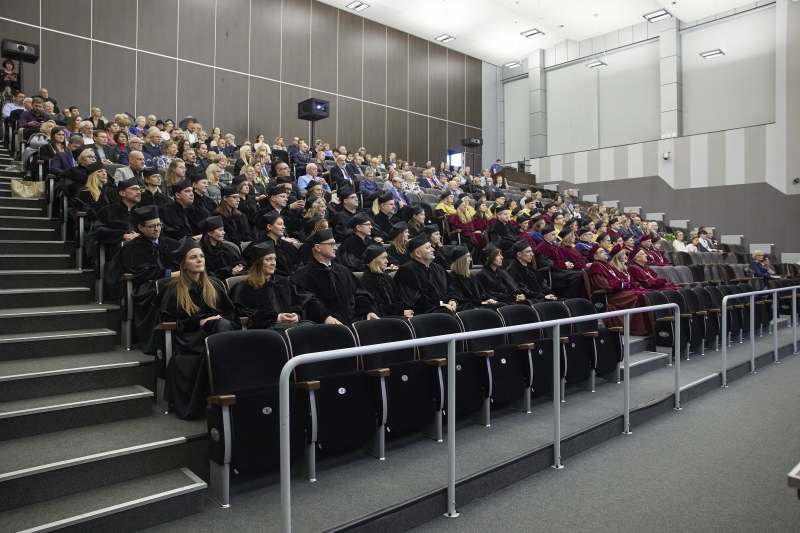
(678, 245)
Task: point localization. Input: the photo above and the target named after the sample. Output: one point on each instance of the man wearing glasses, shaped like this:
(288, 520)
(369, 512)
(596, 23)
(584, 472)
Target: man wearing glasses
(149, 258)
(340, 298)
(135, 145)
(114, 223)
(354, 246)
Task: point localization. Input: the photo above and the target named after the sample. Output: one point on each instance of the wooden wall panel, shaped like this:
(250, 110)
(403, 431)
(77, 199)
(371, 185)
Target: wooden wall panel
(265, 97)
(103, 29)
(230, 104)
(324, 19)
(375, 62)
(475, 166)
(113, 79)
(157, 22)
(26, 34)
(437, 144)
(418, 75)
(296, 40)
(73, 17)
(156, 75)
(437, 76)
(396, 133)
(65, 79)
(290, 124)
(455, 132)
(474, 80)
(456, 87)
(194, 98)
(325, 129)
(417, 139)
(27, 12)
(397, 65)
(374, 129)
(349, 126)
(350, 54)
(265, 39)
(197, 25)
(233, 28)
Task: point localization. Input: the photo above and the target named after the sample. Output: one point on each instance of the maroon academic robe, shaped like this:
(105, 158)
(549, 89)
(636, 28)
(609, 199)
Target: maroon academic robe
(551, 251)
(622, 294)
(467, 230)
(644, 276)
(568, 253)
(655, 258)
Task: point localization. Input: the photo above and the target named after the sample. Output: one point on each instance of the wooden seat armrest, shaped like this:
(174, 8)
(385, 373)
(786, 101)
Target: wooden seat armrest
(563, 340)
(701, 313)
(51, 176)
(738, 306)
(544, 269)
(715, 310)
(81, 214)
(769, 301)
(485, 353)
(167, 326)
(666, 319)
(308, 385)
(242, 320)
(457, 230)
(599, 291)
(703, 283)
(618, 329)
(40, 162)
(378, 372)
(526, 346)
(222, 400)
(441, 361)
(126, 277)
(759, 302)
(784, 298)
(686, 315)
(683, 284)
(591, 334)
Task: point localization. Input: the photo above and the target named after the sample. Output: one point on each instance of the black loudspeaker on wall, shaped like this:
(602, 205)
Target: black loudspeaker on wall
(25, 52)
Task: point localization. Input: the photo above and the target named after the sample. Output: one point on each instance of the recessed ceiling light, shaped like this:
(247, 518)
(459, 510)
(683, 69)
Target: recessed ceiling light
(445, 38)
(530, 34)
(655, 16)
(596, 64)
(357, 6)
(712, 53)
(512, 64)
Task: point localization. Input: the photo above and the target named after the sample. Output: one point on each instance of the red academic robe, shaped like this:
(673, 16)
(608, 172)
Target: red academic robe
(568, 253)
(655, 258)
(622, 294)
(644, 276)
(467, 230)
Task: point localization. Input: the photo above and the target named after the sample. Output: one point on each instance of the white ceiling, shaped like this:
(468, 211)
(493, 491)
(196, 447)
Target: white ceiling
(490, 29)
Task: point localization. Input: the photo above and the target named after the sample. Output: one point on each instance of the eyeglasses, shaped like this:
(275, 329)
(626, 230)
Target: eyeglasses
(91, 157)
(331, 244)
(154, 226)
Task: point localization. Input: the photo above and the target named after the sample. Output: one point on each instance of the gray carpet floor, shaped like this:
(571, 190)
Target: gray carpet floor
(719, 465)
(356, 485)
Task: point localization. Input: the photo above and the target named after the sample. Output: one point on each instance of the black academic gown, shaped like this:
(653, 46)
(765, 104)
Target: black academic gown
(497, 284)
(262, 306)
(111, 223)
(288, 257)
(530, 282)
(222, 259)
(337, 291)
(384, 224)
(394, 254)
(441, 256)
(248, 207)
(504, 236)
(187, 375)
(351, 250)
(84, 201)
(340, 222)
(467, 290)
(148, 262)
(383, 291)
(206, 201)
(292, 218)
(422, 289)
(159, 199)
(73, 179)
(237, 228)
(180, 222)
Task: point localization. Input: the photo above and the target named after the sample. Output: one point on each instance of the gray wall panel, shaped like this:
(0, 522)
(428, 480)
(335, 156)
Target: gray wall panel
(113, 79)
(67, 80)
(196, 28)
(156, 73)
(265, 39)
(437, 79)
(233, 28)
(72, 17)
(325, 129)
(375, 62)
(716, 159)
(264, 109)
(397, 61)
(455, 132)
(194, 96)
(474, 102)
(349, 124)
(437, 141)
(294, 48)
(26, 34)
(476, 164)
(158, 20)
(230, 104)
(755, 156)
(103, 27)
(417, 75)
(396, 133)
(350, 56)
(290, 124)
(324, 47)
(27, 12)
(417, 139)
(374, 129)
(456, 87)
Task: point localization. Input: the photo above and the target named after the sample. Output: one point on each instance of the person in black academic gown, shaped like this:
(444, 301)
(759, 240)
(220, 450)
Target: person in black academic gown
(399, 237)
(97, 183)
(182, 218)
(356, 243)
(384, 219)
(379, 284)
(465, 286)
(530, 282)
(237, 228)
(288, 256)
(114, 223)
(502, 234)
(495, 282)
(149, 258)
(223, 259)
(278, 201)
(152, 193)
(341, 222)
(423, 285)
(441, 253)
(200, 189)
(199, 306)
(269, 300)
(339, 296)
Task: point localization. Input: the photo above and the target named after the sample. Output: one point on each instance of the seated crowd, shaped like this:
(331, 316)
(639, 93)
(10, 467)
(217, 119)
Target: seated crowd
(322, 236)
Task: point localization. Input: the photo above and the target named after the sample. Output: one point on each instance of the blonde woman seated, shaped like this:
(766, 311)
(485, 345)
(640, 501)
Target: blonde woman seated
(463, 220)
(97, 193)
(379, 284)
(621, 292)
(399, 237)
(176, 171)
(464, 285)
(445, 206)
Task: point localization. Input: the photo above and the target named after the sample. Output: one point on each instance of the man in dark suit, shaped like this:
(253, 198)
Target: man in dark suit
(339, 173)
(153, 145)
(231, 150)
(354, 166)
(135, 144)
(106, 153)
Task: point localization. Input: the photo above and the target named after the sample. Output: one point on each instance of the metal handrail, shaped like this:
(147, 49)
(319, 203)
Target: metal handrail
(724, 323)
(288, 368)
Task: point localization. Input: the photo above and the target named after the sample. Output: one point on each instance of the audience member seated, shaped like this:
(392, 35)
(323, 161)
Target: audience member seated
(200, 307)
(399, 237)
(568, 252)
(653, 258)
(135, 168)
(678, 245)
(356, 243)
(465, 287)
(97, 193)
(114, 224)
(106, 153)
(292, 214)
(441, 253)
(585, 241)
(621, 292)
(153, 145)
(152, 193)
(200, 189)
(657, 254)
(237, 228)
(379, 284)
(57, 144)
(415, 218)
(498, 284)
(760, 265)
(340, 175)
(242, 160)
(567, 281)
(530, 282)
(383, 209)
(446, 207)
(31, 120)
(148, 257)
(287, 255)
(223, 259)
(62, 161)
(181, 217)
(501, 233)
(311, 176)
(645, 276)
(269, 300)
(401, 199)
(368, 185)
(135, 144)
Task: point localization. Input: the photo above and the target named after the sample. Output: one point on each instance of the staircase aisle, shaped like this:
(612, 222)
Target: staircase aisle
(82, 447)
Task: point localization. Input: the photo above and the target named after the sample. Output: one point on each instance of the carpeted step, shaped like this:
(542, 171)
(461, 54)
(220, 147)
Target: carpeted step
(22, 210)
(35, 416)
(35, 378)
(52, 465)
(44, 297)
(120, 508)
(26, 203)
(19, 246)
(28, 221)
(46, 344)
(45, 278)
(13, 261)
(59, 318)
(27, 234)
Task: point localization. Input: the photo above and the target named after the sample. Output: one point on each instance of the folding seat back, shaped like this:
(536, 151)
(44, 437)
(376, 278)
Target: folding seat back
(661, 272)
(408, 387)
(686, 258)
(699, 317)
(735, 308)
(599, 298)
(731, 259)
(230, 282)
(712, 322)
(745, 306)
(538, 367)
(697, 258)
(503, 375)
(321, 338)
(763, 306)
(685, 274)
(661, 321)
(672, 275)
(605, 343)
(697, 274)
(676, 297)
(576, 362)
(666, 246)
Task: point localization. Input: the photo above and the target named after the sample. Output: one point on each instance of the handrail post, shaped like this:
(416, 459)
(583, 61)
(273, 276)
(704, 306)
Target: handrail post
(724, 337)
(451, 430)
(752, 333)
(774, 325)
(626, 351)
(677, 351)
(286, 463)
(557, 397)
(794, 316)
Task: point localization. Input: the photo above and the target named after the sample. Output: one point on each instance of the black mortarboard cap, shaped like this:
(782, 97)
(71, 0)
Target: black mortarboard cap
(457, 252)
(149, 171)
(237, 180)
(430, 230)
(358, 218)
(487, 251)
(124, 184)
(228, 191)
(564, 232)
(397, 229)
(521, 245)
(94, 167)
(385, 198)
(261, 249)
(212, 223)
(179, 186)
(416, 242)
(547, 229)
(276, 190)
(372, 253)
(143, 214)
(320, 236)
(187, 245)
(197, 177)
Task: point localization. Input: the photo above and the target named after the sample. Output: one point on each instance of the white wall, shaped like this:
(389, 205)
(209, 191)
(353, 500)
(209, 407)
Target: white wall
(738, 89)
(572, 116)
(490, 116)
(516, 120)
